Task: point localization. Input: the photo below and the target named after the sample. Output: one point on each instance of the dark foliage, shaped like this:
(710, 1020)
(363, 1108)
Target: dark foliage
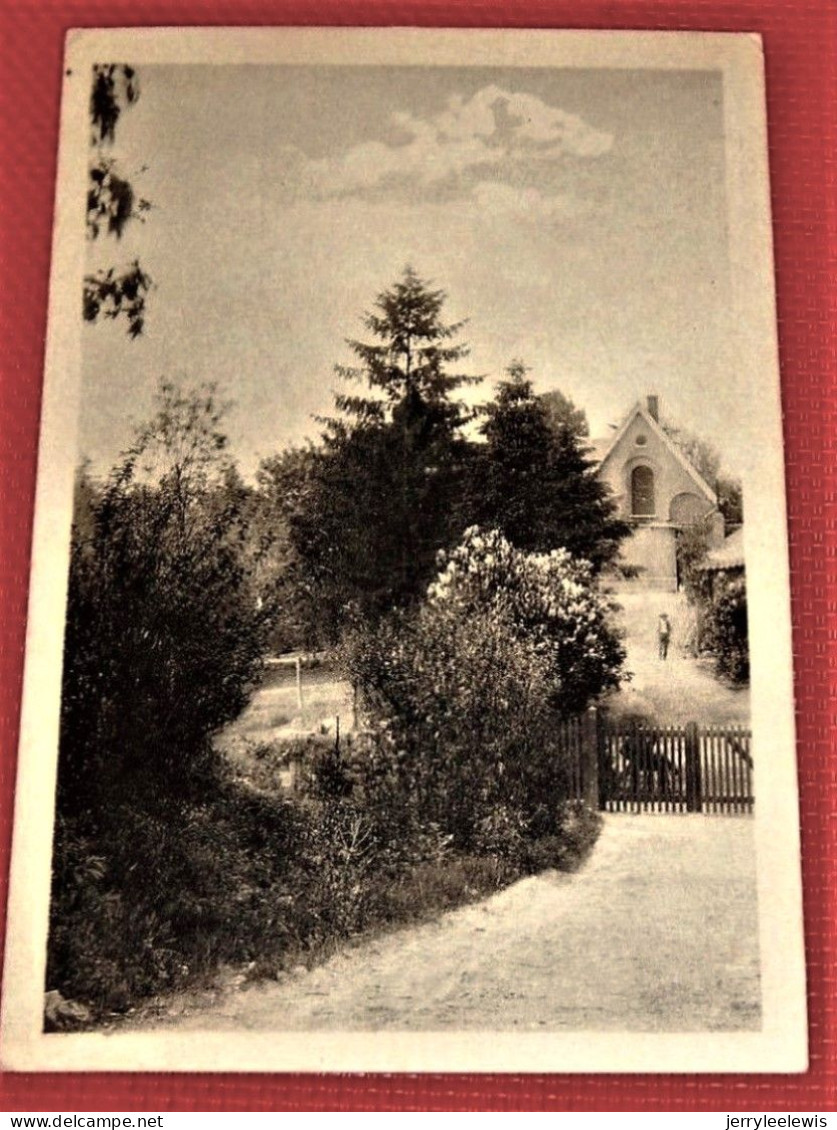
(108, 294)
(692, 546)
(534, 482)
(367, 511)
(114, 86)
(719, 598)
(164, 636)
(730, 502)
(112, 203)
(171, 891)
(562, 414)
(164, 639)
(727, 635)
(168, 891)
(285, 509)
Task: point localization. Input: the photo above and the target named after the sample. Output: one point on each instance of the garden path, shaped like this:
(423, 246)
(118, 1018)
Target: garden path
(681, 688)
(658, 932)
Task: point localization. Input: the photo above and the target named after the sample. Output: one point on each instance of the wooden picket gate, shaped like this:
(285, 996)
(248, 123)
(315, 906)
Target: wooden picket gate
(624, 765)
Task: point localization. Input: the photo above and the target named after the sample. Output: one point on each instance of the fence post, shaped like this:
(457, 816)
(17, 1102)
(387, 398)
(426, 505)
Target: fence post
(294, 774)
(693, 782)
(590, 758)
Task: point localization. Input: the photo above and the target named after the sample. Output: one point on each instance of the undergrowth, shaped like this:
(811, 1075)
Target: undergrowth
(158, 899)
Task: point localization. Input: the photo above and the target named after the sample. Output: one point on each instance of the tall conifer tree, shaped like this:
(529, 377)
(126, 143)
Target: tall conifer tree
(537, 485)
(389, 473)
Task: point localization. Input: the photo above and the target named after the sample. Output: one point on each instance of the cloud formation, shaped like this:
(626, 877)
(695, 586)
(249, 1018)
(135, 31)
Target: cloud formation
(493, 130)
(495, 199)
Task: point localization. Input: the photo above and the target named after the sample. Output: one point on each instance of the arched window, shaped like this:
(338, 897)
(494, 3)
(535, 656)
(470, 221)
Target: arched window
(642, 492)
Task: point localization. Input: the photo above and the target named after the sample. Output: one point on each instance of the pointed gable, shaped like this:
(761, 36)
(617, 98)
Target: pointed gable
(658, 492)
(626, 447)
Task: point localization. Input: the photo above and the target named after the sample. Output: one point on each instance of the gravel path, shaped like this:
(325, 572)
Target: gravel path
(679, 689)
(657, 933)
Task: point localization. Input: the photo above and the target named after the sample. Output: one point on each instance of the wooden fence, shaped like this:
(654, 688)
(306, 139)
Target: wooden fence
(628, 766)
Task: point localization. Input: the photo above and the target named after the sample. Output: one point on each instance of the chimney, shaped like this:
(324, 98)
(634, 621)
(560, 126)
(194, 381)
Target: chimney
(654, 407)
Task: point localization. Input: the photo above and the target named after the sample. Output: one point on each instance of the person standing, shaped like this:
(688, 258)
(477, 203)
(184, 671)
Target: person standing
(663, 634)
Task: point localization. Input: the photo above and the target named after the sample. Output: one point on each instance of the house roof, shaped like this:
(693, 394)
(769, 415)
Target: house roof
(639, 409)
(728, 555)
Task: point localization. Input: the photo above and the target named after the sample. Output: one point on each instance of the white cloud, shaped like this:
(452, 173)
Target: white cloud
(495, 199)
(493, 129)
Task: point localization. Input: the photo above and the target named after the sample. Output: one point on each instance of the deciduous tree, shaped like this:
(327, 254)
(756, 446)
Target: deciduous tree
(164, 630)
(112, 202)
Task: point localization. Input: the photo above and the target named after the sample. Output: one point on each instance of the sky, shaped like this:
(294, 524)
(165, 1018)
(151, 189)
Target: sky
(575, 218)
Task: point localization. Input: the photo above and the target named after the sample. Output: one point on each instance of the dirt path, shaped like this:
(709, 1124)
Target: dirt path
(681, 688)
(657, 932)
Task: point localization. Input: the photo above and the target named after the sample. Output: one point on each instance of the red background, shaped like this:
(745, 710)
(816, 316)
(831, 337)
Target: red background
(801, 52)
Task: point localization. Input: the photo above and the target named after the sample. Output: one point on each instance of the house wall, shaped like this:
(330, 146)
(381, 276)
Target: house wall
(678, 501)
(652, 550)
(671, 479)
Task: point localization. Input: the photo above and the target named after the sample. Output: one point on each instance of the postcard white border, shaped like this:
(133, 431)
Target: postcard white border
(781, 1045)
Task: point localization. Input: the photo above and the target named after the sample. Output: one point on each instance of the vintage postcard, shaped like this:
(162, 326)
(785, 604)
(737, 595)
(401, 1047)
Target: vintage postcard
(408, 679)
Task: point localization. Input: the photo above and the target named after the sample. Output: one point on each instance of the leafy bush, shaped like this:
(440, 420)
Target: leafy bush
(164, 640)
(464, 694)
(165, 866)
(245, 879)
(550, 599)
(692, 546)
(726, 629)
(566, 849)
(330, 774)
(431, 887)
(338, 856)
(164, 633)
(164, 896)
(502, 833)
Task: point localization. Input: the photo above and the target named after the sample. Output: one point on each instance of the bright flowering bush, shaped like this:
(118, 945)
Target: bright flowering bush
(549, 599)
(463, 695)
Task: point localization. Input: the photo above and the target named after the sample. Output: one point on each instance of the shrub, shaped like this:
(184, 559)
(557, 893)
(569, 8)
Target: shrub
(163, 896)
(164, 633)
(330, 774)
(550, 599)
(726, 629)
(338, 857)
(567, 848)
(164, 640)
(502, 833)
(463, 695)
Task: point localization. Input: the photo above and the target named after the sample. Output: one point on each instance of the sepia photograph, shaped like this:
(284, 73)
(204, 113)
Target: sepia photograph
(408, 678)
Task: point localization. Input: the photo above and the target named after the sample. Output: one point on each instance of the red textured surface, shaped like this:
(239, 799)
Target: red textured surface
(800, 39)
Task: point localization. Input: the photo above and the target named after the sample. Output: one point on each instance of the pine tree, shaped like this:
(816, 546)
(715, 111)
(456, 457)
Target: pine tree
(407, 364)
(388, 476)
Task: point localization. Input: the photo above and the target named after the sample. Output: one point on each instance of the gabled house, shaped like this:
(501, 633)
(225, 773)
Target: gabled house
(658, 491)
